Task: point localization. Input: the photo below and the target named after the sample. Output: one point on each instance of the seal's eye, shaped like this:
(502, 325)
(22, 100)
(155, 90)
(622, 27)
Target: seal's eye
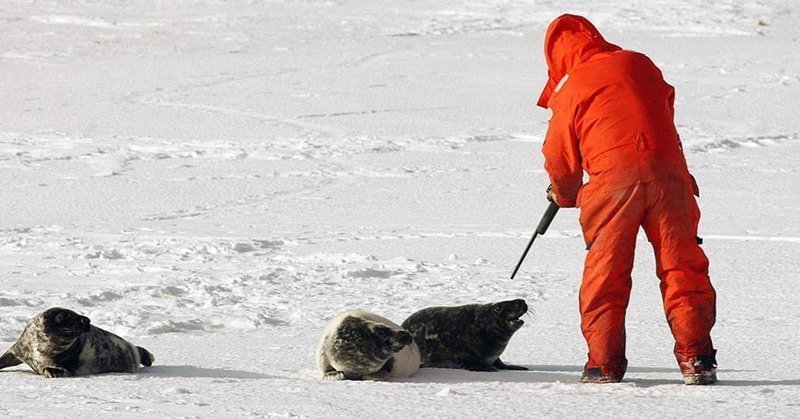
(497, 309)
(59, 318)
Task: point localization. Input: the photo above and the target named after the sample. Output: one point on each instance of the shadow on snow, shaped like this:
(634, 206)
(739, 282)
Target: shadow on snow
(173, 371)
(189, 371)
(569, 374)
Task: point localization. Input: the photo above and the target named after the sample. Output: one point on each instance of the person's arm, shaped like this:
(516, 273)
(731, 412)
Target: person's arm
(562, 158)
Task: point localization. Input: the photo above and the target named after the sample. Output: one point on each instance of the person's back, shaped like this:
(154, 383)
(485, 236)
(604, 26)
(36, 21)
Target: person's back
(623, 114)
(617, 107)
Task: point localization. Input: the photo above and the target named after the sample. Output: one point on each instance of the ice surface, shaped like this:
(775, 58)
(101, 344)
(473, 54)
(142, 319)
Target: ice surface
(215, 180)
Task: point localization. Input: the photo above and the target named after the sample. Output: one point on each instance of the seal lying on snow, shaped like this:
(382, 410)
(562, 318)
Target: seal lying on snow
(61, 343)
(471, 337)
(359, 345)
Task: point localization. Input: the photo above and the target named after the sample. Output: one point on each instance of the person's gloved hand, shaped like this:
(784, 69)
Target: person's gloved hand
(551, 196)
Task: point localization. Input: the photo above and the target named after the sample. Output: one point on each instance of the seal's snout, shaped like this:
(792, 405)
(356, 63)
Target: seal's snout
(85, 324)
(520, 306)
(515, 309)
(511, 311)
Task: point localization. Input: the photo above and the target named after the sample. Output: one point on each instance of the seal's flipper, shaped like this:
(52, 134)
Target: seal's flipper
(334, 376)
(500, 365)
(479, 367)
(56, 372)
(145, 357)
(9, 360)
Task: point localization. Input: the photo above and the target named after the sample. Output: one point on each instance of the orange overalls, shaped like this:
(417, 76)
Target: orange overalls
(613, 118)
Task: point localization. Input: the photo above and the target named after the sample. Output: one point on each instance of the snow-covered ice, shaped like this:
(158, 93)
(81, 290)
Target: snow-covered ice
(214, 180)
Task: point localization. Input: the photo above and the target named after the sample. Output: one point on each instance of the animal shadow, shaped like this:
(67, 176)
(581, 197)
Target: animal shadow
(190, 371)
(174, 371)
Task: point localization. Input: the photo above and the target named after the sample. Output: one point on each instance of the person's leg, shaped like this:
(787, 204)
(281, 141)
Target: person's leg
(682, 266)
(610, 220)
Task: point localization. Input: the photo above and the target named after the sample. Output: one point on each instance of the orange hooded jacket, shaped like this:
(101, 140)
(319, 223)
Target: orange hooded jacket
(612, 114)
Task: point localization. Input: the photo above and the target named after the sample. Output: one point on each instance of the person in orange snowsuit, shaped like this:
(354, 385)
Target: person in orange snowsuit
(612, 117)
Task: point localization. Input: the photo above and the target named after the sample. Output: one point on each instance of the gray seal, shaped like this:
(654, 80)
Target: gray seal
(62, 343)
(470, 337)
(358, 345)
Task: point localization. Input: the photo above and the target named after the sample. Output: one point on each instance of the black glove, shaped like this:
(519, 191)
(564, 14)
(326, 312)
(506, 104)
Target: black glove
(551, 196)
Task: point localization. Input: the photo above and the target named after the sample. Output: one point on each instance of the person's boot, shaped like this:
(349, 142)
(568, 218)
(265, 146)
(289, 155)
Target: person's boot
(604, 375)
(701, 370)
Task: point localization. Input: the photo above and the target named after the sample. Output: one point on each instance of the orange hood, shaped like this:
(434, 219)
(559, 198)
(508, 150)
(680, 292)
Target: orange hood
(570, 41)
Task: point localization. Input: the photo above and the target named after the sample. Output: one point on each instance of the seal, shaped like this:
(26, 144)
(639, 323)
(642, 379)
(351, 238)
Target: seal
(358, 345)
(62, 343)
(470, 337)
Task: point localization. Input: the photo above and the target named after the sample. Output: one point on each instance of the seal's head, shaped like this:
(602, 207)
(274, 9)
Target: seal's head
(362, 346)
(508, 313)
(60, 324)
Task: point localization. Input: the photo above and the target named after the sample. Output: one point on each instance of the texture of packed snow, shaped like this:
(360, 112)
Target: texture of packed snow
(215, 180)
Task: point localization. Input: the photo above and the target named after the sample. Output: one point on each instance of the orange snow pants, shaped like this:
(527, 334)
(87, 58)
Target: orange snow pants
(610, 220)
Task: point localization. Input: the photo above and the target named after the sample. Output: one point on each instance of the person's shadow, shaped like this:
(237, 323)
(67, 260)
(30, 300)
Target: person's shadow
(570, 374)
(534, 374)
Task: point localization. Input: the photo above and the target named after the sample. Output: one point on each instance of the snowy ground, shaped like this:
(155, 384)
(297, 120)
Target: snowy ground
(214, 180)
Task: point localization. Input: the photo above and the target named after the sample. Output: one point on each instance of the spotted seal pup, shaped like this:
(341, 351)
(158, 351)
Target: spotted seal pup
(62, 343)
(470, 337)
(358, 345)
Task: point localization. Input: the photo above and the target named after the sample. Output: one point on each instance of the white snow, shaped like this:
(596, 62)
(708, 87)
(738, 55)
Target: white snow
(215, 180)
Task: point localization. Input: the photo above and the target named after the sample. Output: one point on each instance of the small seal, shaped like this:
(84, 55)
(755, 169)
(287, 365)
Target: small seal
(62, 343)
(470, 337)
(358, 345)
